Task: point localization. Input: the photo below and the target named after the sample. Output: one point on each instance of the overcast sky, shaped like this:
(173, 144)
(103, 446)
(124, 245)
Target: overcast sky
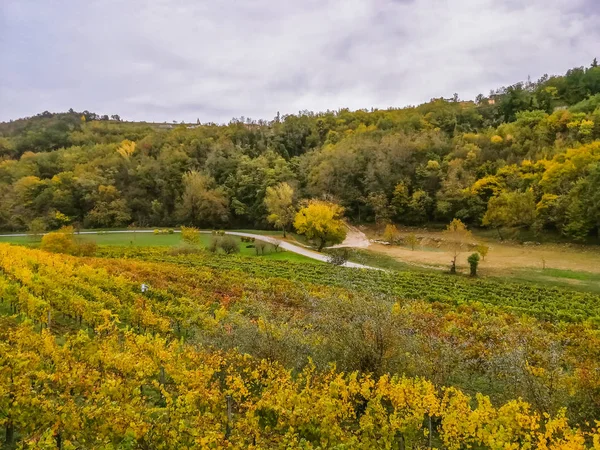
(165, 60)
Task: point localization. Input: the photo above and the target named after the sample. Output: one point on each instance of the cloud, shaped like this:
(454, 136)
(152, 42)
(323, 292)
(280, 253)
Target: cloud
(169, 60)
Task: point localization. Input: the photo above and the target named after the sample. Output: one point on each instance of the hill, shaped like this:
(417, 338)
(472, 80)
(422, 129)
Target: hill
(524, 156)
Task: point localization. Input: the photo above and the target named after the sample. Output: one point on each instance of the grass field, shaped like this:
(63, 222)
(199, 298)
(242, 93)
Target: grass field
(170, 240)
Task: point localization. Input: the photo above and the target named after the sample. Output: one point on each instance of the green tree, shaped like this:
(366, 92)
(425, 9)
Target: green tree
(202, 204)
(321, 221)
(510, 209)
(279, 200)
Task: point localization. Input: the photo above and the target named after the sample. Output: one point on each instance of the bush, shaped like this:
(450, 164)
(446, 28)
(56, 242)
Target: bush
(230, 245)
(184, 249)
(338, 256)
(214, 244)
(411, 240)
(260, 247)
(171, 231)
(390, 234)
(473, 262)
(190, 235)
(85, 249)
(60, 241)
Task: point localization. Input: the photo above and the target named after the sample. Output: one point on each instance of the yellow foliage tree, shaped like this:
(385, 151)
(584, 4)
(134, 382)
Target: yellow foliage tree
(126, 149)
(321, 221)
(458, 239)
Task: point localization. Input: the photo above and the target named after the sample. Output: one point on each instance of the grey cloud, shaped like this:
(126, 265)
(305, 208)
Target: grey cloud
(178, 60)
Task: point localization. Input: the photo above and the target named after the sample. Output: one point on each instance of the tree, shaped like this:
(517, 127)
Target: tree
(458, 239)
(279, 201)
(391, 233)
(380, 206)
(400, 201)
(473, 263)
(202, 204)
(483, 250)
(411, 240)
(510, 209)
(321, 221)
(37, 227)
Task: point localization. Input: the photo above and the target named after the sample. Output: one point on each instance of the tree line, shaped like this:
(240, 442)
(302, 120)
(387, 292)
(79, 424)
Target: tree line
(524, 156)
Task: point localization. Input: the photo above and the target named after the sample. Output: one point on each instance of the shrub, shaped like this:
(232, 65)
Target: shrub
(260, 247)
(473, 262)
(184, 249)
(85, 249)
(190, 235)
(338, 256)
(171, 231)
(60, 241)
(276, 244)
(230, 245)
(412, 241)
(214, 244)
(390, 234)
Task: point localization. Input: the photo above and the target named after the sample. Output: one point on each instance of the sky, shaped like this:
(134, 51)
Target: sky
(212, 60)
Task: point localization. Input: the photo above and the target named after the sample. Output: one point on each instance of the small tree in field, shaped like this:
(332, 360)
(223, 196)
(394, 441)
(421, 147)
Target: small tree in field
(473, 263)
(321, 221)
(190, 235)
(412, 241)
(458, 239)
(483, 250)
(391, 233)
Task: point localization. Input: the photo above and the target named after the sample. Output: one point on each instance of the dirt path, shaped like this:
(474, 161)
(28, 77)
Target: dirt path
(354, 238)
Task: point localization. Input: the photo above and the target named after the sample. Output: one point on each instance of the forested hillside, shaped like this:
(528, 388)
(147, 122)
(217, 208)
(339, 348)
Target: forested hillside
(527, 155)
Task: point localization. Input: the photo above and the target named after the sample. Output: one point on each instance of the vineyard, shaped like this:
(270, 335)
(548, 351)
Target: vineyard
(547, 303)
(295, 356)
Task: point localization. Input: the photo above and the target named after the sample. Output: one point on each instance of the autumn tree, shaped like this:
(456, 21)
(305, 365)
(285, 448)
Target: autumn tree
(202, 203)
(321, 221)
(457, 239)
(411, 240)
(391, 233)
(510, 209)
(279, 200)
(483, 250)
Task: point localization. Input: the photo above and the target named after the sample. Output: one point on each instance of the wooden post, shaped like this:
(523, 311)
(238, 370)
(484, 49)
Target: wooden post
(430, 431)
(228, 426)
